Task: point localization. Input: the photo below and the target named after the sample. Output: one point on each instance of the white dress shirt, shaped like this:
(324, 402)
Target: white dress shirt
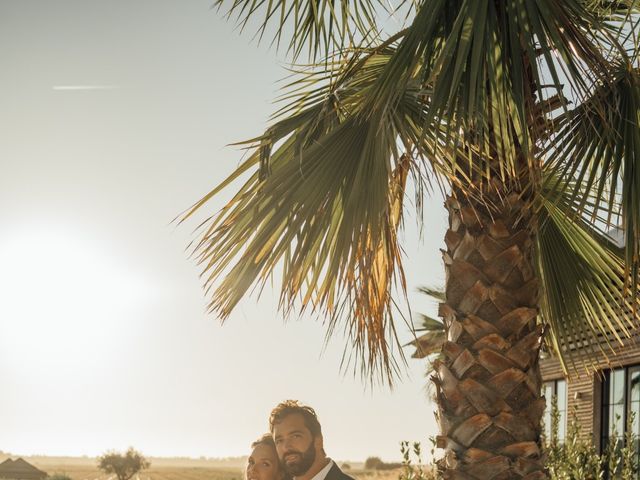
(321, 475)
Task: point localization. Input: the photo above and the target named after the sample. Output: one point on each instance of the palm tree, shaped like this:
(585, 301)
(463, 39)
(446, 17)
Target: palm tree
(526, 112)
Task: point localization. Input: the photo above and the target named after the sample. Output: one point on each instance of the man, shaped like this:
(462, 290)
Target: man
(299, 443)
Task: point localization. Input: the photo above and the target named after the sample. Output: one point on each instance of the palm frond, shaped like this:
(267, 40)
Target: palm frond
(612, 10)
(582, 278)
(428, 344)
(485, 63)
(598, 148)
(320, 26)
(435, 293)
(324, 207)
(427, 323)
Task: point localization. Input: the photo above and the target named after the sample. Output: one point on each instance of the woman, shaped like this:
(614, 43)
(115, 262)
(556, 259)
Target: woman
(263, 462)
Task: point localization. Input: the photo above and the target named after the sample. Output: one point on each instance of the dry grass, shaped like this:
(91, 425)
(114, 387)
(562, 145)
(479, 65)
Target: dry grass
(374, 474)
(85, 472)
(79, 472)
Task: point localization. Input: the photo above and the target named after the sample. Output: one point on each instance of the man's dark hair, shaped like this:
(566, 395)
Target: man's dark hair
(291, 407)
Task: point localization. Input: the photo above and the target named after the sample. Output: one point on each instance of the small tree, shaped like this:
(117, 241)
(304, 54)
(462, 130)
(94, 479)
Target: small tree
(123, 466)
(373, 463)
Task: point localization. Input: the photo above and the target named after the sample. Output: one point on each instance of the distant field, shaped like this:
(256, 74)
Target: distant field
(84, 472)
(78, 472)
(374, 474)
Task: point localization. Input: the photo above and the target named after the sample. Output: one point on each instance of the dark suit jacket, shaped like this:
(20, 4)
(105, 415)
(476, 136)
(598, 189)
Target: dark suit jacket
(336, 474)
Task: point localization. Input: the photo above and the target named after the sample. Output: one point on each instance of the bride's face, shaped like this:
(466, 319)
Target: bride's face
(263, 464)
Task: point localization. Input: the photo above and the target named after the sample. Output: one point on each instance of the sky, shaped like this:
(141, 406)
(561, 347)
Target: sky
(115, 117)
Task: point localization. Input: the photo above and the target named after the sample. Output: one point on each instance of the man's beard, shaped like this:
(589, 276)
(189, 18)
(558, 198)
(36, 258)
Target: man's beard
(302, 464)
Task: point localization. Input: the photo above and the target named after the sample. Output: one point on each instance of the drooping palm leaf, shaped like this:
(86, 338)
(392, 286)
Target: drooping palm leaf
(319, 25)
(430, 341)
(599, 149)
(582, 276)
(326, 205)
(428, 345)
(435, 293)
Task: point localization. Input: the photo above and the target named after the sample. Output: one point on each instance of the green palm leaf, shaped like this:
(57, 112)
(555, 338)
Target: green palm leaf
(485, 62)
(598, 147)
(435, 293)
(318, 25)
(325, 205)
(430, 341)
(612, 10)
(582, 277)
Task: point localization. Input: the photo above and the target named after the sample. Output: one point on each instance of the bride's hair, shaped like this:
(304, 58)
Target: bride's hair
(265, 439)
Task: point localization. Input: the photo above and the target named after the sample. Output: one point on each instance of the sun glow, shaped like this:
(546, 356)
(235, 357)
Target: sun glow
(63, 300)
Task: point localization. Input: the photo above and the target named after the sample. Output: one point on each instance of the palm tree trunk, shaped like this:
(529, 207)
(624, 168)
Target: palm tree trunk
(488, 380)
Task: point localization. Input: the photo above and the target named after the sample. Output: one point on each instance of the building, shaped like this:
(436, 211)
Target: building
(20, 470)
(602, 397)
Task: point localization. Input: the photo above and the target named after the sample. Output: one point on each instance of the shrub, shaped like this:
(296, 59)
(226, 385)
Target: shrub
(59, 476)
(577, 459)
(413, 469)
(621, 456)
(376, 463)
(574, 459)
(373, 463)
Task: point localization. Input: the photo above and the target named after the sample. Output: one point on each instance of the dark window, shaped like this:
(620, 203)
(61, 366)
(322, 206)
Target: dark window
(555, 389)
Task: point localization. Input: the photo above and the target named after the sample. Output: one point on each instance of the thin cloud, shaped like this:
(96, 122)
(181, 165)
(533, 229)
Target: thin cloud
(84, 87)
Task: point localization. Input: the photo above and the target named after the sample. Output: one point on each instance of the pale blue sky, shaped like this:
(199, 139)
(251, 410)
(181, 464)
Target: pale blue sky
(104, 342)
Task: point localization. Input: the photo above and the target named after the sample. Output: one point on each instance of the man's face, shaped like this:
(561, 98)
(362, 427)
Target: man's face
(296, 447)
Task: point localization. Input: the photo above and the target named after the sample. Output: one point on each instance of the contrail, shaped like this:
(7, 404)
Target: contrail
(84, 87)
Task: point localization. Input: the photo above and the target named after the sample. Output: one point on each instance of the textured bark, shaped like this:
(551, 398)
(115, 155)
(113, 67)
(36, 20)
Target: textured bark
(488, 380)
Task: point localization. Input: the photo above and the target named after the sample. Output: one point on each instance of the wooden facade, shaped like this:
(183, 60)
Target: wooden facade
(584, 384)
